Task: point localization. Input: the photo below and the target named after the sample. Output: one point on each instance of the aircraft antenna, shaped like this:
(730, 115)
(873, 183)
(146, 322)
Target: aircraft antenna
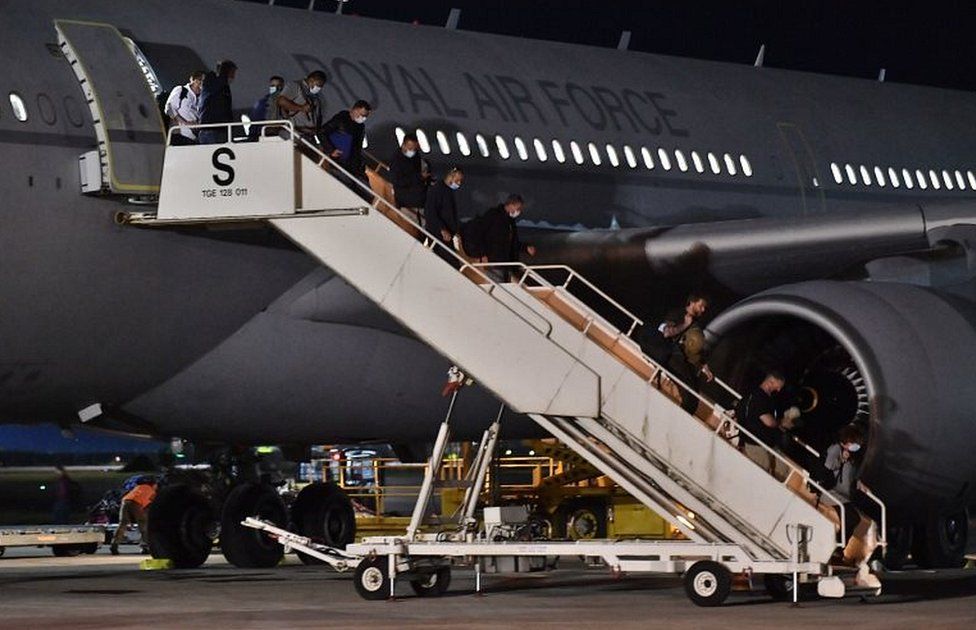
(453, 19)
(760, 57)
(624, 42)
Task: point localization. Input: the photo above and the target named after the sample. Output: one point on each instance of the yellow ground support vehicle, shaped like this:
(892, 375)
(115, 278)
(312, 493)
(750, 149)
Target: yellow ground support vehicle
(568, 497)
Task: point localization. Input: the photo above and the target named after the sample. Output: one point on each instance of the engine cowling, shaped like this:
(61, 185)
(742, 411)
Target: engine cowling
(898, 358)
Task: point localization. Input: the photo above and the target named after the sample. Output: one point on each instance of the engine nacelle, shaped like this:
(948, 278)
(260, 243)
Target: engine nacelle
(912, 361)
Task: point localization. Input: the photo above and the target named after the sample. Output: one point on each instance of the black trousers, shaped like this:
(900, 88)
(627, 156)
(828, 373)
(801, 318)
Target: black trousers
(687, 373)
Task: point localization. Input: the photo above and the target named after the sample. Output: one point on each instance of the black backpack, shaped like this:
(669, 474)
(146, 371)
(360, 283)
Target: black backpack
(161, 99)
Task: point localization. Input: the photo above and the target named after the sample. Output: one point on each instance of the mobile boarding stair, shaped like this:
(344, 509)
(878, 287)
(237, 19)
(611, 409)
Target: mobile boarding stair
(543, 352)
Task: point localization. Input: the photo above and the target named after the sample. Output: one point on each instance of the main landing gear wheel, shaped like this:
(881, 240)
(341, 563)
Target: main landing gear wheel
(779, 586)
(372, 578)
(246, 547)
(433, 584)
(940, 541)
(181, 525)
(708, 583)
(325, 514)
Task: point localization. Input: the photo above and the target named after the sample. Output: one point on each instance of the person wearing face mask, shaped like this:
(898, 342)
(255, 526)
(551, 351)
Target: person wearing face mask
(300, 102)
(407, 177)
(263, 107)
(182, 109)
(441, 212)
(216, 105)
(342, 139)
(493, 237)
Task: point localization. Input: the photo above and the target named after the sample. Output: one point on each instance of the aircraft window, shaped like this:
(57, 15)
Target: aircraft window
(679, 157)
(713, 163)
(612, 155)
(422, 141)
(523, 152)
(972, 179)
(482, 145)
(960, 181)
(557, 151)
(463, 145)
(934, 177)
(746, 166)
(696, 159)
(442, 142)
(594, 154)
(906, 175)
(631, 158)
(851, 176)
(400, 133)
(729, 164)
(838, 176)
(502, 147)
(879, 176)
(540, 150)
(947, 178)
(648, 158)
(865, 176)
(893, 177)
(662, 156)
(920, 176)
(17, 104)
(577, 152)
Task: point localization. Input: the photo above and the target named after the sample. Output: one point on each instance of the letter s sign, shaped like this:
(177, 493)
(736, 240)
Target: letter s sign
(228, 171)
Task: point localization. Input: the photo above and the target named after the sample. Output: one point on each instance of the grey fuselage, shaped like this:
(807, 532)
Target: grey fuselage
(231, 336)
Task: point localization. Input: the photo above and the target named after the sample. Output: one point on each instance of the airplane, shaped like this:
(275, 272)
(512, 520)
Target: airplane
(832, 216)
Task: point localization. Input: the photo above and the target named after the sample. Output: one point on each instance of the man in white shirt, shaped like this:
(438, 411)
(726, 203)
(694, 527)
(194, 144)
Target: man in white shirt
(181, 107)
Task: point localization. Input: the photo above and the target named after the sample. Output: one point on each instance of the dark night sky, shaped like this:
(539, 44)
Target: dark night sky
(923, 42)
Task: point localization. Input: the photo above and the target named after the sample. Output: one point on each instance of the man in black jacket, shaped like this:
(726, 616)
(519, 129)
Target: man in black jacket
(493, 237)
(442, 214)
(215, 102)
(408, 179)
(342, 139)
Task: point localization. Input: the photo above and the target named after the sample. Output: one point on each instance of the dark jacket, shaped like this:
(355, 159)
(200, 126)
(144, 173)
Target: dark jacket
(215, 100)
(494, 234)
(260, 112)
(440, 210)
(343, 122)
(408, 183)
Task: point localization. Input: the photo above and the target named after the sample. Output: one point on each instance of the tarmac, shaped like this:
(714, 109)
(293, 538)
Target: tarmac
(38, 590)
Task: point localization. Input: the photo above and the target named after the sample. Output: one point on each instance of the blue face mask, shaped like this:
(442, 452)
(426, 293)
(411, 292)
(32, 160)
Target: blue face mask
(272, 89)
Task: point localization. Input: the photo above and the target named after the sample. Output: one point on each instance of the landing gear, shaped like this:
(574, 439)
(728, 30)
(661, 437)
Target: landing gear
(940, 540)
(182, 525)
(325, 514)
(708, 583)
(432, 584)
(245, 547)
(372, 579)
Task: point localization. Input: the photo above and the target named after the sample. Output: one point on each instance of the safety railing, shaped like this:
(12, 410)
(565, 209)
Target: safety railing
(229, 127)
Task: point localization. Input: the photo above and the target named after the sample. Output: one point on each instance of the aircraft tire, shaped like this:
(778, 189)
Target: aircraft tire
(243, 546)
(180, 523)
(324, 513)
(940, 540)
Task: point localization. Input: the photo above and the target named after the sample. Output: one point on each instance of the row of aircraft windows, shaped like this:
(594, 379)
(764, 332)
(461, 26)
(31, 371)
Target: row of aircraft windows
(578, 153)
(864, 176)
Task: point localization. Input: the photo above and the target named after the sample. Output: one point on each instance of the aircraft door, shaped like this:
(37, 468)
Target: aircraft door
(807, 174)
(128, 126)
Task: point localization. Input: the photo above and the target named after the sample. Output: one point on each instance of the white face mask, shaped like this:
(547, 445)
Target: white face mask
(454, 185)
(410, 154)
(272, 89)
(359, 120)
(516, 215)
(853, 448)
(315, 89)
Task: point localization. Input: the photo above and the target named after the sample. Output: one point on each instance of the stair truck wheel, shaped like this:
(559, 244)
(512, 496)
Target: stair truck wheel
(707, 583)
(243, 546)
(432, 584)
(66, 551)
(372, 579)
(939, 541)
(779, 586)
(181, 521)
(324, 513)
